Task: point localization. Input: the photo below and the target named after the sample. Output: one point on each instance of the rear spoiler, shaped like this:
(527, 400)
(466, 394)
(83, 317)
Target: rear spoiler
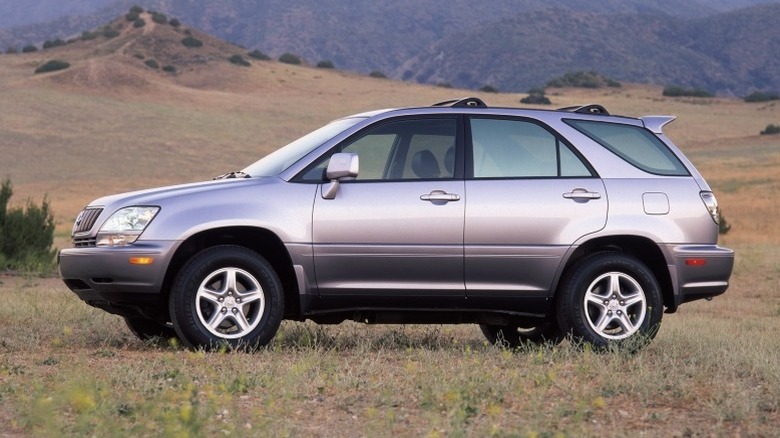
(657, 123)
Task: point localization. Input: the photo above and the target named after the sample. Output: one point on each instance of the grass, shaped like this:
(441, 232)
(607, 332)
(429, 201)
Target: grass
(712, 370)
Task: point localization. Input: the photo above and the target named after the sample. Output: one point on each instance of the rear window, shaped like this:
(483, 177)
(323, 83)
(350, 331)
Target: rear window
(634, 144)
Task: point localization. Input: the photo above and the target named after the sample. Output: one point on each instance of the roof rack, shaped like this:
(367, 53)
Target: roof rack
(590, 108)
(466, 102)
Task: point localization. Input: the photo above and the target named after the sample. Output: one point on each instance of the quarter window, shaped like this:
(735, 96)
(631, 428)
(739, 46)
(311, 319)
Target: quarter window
(506, 148)
(633, 144)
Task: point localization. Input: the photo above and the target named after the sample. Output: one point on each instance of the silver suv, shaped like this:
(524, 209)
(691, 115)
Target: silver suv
(534, 224)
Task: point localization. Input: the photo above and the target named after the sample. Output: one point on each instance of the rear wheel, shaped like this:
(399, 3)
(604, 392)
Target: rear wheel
(226, 295)
(610, 299)
(513, 336)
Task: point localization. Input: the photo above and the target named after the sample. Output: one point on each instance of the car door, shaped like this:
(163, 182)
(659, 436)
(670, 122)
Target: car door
(530, 197)
(397, 229)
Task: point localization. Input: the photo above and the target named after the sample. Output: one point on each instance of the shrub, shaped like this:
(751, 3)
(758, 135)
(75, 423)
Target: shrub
(377, 74)
(132, 16)
(771, 129)
(138, 23)
(256, 54)
(289, 58)
(151, 63)
(136, 9)
(26, 234)
(109, 32)
(444, 85)
(489, 89)
(536, 97)
(582, 79)
(760, 96)
(723, 225)
(48, 44)
(159, 18)
(191, 41)
(675, 91)
(29, 49)
(11, 50)
(53, 65)
(175, 22)
(239, 60)
(325, 64)
(139, 56)
(169, 69)
(87, 35)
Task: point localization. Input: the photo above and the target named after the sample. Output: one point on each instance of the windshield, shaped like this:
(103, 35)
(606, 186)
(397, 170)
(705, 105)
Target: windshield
(279, 160)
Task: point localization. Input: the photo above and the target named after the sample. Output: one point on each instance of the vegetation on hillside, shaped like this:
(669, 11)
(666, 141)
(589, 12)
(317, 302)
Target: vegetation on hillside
(52, 65)
(676, 91)
(582, 79)
(536, 96)
(761, 96)
(289, 58)
(771, 129)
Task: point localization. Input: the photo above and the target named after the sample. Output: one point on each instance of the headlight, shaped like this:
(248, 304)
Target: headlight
(125, 225)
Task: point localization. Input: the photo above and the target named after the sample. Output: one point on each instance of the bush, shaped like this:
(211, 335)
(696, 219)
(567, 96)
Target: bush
(87, 35)
(444, 85)
(53, 65)
(109, 32)
(151, 63)
(760, 96)
(48, 44)
(169, 69)
(723, 225)
(11, 50)
(132, 16)
(377, 74)
(675, 91)
(29, 49)
(489, 89)
(289, 58)
(175, 22)
(239, 60)
(582, 79)
(771, 130)
(256, 54)
(138, 23)
(136, 9)
(536, 97)
(26, 234)
(139, 56)
(191, 41)
(159, 18)
(325, 64)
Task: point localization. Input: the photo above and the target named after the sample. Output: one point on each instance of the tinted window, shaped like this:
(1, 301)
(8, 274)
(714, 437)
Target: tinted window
(634, 144)
(407, 149)
(504, 148)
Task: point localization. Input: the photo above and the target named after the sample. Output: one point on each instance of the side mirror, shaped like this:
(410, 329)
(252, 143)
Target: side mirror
(341, 166)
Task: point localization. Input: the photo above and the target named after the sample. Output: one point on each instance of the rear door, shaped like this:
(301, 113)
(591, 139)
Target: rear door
(530, 196)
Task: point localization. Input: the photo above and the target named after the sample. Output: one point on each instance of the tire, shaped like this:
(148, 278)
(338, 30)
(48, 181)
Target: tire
(610, 299)
(514, 336)
(226, 295)
(149, 329)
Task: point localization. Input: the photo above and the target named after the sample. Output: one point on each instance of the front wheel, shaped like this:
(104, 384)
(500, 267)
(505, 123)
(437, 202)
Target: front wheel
(610, 299)
(226, 295)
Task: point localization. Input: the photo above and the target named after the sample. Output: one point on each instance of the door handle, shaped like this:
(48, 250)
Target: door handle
(440, 196)
(582, 195)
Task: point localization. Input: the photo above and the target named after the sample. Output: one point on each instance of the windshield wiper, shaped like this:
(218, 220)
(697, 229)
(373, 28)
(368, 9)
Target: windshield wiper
(236, 174)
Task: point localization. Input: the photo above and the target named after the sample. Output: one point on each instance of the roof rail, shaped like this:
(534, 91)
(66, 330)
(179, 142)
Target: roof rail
(590, 108)
(466, 102)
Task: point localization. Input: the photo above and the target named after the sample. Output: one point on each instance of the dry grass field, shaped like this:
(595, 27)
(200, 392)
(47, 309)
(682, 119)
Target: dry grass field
(108, 125)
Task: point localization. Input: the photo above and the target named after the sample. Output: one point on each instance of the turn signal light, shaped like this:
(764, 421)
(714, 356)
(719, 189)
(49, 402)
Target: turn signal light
(141, 260)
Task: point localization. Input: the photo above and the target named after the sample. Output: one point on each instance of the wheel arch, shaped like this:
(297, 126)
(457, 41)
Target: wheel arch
(641, 248)
(260, 240)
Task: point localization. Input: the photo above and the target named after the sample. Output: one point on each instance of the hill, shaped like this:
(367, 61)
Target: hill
(109, 123)
(660, 41)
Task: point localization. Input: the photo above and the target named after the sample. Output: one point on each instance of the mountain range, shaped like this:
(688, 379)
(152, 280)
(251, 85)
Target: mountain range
(723, 46)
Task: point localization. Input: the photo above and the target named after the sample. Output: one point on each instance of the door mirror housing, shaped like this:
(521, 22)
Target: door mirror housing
(342, 166)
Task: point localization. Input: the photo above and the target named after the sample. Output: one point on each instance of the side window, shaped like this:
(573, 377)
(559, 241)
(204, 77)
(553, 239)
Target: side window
(634, 144)
(401, 150)
(504, 148)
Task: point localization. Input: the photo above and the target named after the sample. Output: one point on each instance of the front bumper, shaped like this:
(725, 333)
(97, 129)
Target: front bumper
(104, 276)
(702, 271)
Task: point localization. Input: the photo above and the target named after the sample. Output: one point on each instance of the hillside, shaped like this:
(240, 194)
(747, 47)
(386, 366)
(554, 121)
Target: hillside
(510, 45)
(109, 123)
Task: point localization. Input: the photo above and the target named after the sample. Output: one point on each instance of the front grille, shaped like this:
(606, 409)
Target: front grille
(86, 219)
(86, 242)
